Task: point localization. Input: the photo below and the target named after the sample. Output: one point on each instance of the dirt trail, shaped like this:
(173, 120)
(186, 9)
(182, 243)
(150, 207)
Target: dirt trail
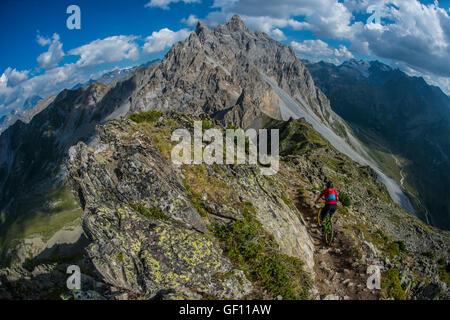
(337, 271)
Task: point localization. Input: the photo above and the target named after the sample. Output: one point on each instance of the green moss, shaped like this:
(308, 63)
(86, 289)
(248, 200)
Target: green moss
(390, 284)
(250, 248)
(150, 116)
(153, 212)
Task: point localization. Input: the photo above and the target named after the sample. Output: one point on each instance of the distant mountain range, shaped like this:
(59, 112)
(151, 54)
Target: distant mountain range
(116, 75)
(394, 113)
(28, 110)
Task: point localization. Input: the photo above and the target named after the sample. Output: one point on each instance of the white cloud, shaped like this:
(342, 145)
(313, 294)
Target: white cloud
(108, 50)
(43, 41)
(15, 87)
(12, 77)
(416, 34)
(277, 34)
(191, 21)
(316, 50)
(164, 4)
(326, 18)
(54, 55)
(164, 38)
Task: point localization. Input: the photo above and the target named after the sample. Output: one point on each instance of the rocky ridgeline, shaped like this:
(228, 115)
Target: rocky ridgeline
(161, 231)
(152, 225)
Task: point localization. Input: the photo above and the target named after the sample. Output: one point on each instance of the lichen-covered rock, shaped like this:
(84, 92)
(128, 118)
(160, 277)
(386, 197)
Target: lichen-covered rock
(146, 236)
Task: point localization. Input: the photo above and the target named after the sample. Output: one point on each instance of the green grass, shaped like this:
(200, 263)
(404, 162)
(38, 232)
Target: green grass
(152, 212)
(149, 116)
(286, 199)
(250, 248)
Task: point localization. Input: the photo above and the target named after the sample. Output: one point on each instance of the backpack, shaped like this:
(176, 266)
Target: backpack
(331, 196)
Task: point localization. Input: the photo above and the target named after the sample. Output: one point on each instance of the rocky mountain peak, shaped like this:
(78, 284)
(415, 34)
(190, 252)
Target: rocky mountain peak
(236, 24)
(201, 27)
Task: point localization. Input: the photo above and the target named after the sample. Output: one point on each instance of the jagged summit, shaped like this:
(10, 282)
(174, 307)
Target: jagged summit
(236, 24)
(201, 26)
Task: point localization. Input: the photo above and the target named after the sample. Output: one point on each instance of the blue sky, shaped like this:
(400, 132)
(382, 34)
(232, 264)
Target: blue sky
(41, 56)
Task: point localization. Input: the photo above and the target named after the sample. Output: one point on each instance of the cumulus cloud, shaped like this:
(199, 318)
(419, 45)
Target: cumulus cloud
(164, 38)
(316, 50)
(43, 41)
(419, 35)
(16, 87)
(164, 4)
(54, 55)
(191, 21)
(326, 18)
(108, 50)
(12, 77)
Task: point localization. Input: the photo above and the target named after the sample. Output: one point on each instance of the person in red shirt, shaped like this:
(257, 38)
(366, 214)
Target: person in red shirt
(331, 198)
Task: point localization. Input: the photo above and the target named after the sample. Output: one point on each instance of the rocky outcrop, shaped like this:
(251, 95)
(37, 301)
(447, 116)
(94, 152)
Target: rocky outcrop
(144, 254)
(147, 237)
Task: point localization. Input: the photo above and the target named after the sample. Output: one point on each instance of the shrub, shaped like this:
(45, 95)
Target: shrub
(390, 283)
(429, 254)
(444, 274)
(206, 124)
(345, 200)
(401, 245)
(393, 249)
